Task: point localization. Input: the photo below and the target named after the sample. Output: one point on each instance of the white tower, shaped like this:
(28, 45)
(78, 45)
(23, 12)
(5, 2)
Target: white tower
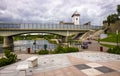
(76, 18)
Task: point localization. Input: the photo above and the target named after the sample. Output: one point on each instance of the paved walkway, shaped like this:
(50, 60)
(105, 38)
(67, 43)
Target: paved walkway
(95, 46)
(72, 64)
(110, 43)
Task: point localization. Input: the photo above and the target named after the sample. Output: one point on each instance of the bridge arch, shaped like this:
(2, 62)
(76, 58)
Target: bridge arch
(9, 42)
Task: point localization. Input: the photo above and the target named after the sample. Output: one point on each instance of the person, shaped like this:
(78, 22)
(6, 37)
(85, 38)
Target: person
(45, 46)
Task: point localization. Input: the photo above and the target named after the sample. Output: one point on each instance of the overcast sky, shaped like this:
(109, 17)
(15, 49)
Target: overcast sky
(53, 11)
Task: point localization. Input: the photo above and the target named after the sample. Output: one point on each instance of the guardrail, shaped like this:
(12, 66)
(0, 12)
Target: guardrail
(46, 26)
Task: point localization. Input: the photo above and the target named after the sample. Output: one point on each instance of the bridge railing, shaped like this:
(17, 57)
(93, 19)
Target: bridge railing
(46, 26)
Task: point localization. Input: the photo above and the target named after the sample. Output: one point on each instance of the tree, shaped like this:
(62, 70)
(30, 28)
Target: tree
(112, 18)
(118, 9)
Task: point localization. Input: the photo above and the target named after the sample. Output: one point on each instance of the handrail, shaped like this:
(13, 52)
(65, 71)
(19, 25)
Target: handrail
(46, 26)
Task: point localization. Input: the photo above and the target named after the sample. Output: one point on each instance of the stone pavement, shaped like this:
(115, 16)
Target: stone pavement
(82, 67)
(71, 64)
(95, 46)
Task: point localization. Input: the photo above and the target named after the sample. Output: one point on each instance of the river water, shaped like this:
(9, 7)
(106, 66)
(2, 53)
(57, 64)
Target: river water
(23, 45)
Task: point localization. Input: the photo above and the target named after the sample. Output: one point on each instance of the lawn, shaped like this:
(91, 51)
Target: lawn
(108, 45)
(112, 37)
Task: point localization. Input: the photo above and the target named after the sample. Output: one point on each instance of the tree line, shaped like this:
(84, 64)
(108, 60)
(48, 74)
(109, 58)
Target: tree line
(113, 17)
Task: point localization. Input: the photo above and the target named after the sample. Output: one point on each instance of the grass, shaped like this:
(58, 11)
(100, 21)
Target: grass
(108, 45)
(112, 37)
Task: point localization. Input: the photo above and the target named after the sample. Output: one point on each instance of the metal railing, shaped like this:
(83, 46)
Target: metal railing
(45, 26)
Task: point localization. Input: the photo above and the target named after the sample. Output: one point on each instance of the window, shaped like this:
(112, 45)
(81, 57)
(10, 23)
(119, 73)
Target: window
(76, 18)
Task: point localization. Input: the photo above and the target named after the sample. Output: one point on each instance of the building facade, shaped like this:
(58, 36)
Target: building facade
(75, 20)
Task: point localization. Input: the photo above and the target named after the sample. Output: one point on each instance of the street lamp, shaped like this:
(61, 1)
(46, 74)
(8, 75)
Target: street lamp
(34, 43)
(117, 37)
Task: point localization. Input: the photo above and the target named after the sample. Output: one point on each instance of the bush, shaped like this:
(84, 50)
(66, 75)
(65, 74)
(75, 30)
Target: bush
(114, 50)
(42, 52)
(72, 49)
(7, 54)
(61, 49)
(3, 62)
(10, 58)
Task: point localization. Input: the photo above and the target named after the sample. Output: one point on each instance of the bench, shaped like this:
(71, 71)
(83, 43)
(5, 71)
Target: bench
(22, 67)
(33, 61)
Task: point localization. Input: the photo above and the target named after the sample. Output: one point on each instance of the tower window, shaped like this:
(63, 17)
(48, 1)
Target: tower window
(76, 18)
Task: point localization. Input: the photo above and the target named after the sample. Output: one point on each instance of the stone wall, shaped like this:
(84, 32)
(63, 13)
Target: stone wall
(113, 26)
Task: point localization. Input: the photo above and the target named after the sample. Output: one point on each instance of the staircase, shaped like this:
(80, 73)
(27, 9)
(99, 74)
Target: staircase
(77, 36)
(87, 34)
(96, 35)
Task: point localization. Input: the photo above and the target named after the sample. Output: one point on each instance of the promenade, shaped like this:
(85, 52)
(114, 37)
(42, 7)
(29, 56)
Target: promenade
(85, 63)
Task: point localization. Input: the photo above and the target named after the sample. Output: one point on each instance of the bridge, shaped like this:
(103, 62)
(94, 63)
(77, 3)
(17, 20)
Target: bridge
(8, 30)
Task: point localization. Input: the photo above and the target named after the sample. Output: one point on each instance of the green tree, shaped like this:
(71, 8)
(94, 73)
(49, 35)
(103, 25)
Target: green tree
(112, 18)
(118, 9)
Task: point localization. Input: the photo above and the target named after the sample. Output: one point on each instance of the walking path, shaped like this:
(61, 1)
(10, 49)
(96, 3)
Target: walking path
(110, 43)
(95, 46)
(71, 64)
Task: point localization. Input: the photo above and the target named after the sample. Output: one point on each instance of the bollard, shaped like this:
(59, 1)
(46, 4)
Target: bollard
(28, 50)
(101, 48)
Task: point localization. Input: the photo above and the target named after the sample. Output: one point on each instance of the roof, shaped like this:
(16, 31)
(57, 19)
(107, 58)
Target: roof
(69, 23)
(66, 23)
(75, 14)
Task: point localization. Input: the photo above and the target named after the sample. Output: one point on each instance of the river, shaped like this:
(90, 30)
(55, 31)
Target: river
(23, 45)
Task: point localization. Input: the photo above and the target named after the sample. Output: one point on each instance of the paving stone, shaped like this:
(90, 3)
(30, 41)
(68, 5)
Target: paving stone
(104, 69)
(91, 72)
(82, 66)
(96, 56)
(111, 74)
(93, 65)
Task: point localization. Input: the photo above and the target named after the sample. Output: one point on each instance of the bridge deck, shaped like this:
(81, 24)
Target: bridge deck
(31, 26)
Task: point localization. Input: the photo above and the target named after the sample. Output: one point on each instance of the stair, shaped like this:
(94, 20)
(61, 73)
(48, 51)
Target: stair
(96, 35)
(87, 34)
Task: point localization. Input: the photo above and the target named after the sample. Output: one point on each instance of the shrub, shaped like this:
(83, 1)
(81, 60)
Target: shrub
(59, 49)
(42, 52)
(114, 50)
(7, 54)
(3, 62)
(73, 49)
(10, 58)
(67, 49)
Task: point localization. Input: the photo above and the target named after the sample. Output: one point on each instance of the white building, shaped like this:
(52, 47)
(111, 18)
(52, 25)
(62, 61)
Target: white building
(75, 19)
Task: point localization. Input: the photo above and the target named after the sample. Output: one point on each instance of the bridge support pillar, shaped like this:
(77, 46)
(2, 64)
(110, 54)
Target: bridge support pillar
(64, 38)
(8, 42)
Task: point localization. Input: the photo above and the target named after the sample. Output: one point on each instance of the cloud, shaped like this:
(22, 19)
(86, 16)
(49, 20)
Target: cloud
(49, 11)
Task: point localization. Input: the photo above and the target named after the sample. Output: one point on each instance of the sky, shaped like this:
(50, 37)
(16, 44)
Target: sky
(53, 11)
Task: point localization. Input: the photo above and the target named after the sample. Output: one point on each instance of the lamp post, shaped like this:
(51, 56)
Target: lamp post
(34, 43)
(117, 37)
